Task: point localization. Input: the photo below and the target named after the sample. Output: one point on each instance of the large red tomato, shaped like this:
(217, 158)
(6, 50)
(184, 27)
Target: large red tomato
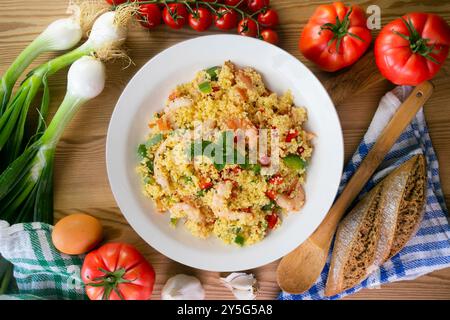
(117, 271)
(412, 49)
(335, 36)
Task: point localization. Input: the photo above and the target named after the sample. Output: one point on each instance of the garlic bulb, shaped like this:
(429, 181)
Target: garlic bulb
(242, 285)
(183, 287)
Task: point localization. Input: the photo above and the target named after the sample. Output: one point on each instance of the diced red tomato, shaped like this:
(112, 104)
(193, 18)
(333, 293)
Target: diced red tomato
(292, 134)
(236, 170)
(271, 194)
(205, 184)
(300, 150)
(272, 220)
(248, 210)
(276, 180)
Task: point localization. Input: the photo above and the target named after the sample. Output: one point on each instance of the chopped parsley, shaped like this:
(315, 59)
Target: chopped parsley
(142, 151)
(239, 240)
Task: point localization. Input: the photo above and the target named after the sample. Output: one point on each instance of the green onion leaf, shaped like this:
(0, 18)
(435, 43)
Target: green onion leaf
(205, 87)
(294, 162)
(157, 138)
(213, 73)
(173, 221)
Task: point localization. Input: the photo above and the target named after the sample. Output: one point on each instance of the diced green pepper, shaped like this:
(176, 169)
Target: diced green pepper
(294, 162)
(205, 87)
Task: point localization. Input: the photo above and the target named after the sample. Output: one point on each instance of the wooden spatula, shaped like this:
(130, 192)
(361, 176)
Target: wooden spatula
(298, 271)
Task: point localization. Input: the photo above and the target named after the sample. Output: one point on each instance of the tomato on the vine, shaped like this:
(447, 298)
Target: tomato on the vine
(226, 19)
(255, 5)
(233, 3)
(412, 49)
(175, 15)
(116, 2)
(269, 36)
(268, 18)
(200, 19)
(247, 27)
(117, 271)
(150, 15)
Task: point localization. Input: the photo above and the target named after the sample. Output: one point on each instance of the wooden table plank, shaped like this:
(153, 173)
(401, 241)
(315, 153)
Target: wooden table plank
(80, 174)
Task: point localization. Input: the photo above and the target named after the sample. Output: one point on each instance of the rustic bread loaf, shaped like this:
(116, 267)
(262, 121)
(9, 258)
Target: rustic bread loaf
(378, 226)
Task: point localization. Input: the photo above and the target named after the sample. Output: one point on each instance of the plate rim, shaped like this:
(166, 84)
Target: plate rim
(200, 264)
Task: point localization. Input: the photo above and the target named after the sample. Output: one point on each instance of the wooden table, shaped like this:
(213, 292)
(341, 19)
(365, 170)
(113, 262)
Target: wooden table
(81, 184)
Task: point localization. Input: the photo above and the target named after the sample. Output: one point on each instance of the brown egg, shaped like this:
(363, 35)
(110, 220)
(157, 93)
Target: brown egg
(77, 233)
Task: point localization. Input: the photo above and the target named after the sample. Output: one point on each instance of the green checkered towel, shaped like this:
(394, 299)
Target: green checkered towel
(40, 270)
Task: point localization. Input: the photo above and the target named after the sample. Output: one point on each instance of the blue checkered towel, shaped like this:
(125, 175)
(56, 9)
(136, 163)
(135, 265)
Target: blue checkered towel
(429, 249)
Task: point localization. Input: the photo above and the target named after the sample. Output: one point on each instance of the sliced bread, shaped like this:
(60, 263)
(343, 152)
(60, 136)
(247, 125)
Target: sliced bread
(379, 226)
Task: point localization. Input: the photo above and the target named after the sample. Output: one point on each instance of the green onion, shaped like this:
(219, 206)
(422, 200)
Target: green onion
(213, 73)
(26, 186)
(154, 140)
(294, 162)
(205, 87)
(239, 240)
(173, 221)
(6, 274)
(61, 34)
(105, 35)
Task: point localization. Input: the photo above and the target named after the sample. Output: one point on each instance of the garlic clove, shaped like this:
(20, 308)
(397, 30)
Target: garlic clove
(244, 294)
(183, 287)
(242, 285)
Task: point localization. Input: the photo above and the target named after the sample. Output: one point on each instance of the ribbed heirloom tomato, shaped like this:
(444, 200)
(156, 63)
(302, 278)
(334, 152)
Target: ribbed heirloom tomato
(335, 36)
(117, 271)
(412, 49)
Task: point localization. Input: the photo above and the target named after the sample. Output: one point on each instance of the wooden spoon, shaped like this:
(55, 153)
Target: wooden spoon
(299, 270)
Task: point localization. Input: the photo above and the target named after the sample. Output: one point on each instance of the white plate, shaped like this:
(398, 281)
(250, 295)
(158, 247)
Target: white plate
(147, 93)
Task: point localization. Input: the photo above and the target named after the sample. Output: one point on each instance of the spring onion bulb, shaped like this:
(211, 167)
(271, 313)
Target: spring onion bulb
(108, 33)
(26, 185)
(61, 34)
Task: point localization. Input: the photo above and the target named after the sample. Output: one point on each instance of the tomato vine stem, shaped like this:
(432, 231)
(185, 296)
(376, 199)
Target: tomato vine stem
(213, 6)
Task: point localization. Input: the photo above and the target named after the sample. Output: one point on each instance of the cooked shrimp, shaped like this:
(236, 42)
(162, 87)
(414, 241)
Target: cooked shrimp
(246, 125)
(219, 202)
(178, 103)
(293, 201)
(191, 212)
(245, 79)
